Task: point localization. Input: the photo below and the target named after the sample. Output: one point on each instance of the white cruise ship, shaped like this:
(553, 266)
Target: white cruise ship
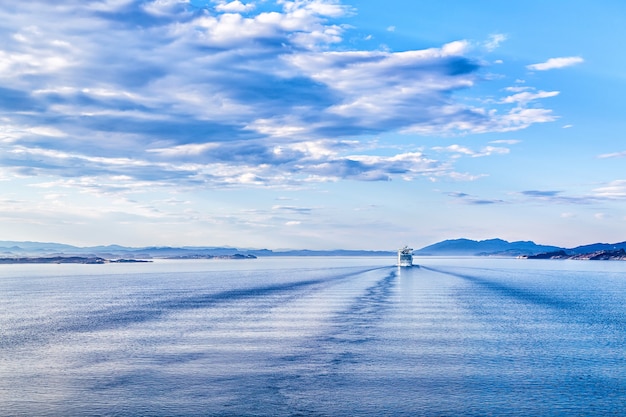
(405, 256)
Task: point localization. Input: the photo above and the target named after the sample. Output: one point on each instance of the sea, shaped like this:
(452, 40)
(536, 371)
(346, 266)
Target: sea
(314, 336)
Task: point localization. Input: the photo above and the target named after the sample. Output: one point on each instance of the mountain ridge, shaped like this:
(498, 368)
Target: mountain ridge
(488, 247)
(450, 247)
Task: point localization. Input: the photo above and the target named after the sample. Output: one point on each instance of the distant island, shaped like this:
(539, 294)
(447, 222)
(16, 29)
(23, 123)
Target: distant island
(98, 260)
(65, 260)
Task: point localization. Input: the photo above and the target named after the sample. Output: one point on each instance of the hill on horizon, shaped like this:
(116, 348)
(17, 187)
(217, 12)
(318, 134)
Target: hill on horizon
(492, 247)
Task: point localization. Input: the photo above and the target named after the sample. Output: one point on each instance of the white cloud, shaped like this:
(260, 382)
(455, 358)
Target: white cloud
(494, 41)
(162, 7)
(613, 155)
(506, 141)
(107, 5)
(462, 150)
(376, 87)
(461, 176)
(329, 8)
(554, 63)
(526, 96)
(234, 7)
(521, 118)
(454, 149)
(46, 131)
(456, 48)
(492, 150)
(517, 89)
(193, 149)
(613, 190)
(482, 121)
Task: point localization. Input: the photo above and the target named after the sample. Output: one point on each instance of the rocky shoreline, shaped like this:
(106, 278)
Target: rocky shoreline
(203, 256)
(601, 255)
(94, 260)
(66, 260)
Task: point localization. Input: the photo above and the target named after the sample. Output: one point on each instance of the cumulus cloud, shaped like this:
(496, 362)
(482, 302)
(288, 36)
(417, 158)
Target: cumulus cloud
(554, 63)
(134, 92)
(234, 7)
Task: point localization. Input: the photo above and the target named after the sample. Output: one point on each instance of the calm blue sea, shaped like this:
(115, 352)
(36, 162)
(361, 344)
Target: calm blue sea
(314, 337)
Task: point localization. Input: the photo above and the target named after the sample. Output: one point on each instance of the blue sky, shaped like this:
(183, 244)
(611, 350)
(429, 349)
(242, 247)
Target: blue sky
(312, 123)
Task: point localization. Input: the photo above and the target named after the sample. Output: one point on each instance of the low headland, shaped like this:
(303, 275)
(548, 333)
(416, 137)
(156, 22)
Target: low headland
(601, 255)
(94, 260)
(66, 260)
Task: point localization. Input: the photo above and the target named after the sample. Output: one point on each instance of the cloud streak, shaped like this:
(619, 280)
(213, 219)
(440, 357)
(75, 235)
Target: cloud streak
(458, 151)
(612, 155)
(555, 63)
(611, 191)
(473, 200)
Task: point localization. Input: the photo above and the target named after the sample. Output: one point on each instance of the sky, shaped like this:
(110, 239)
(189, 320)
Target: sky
(313, 124)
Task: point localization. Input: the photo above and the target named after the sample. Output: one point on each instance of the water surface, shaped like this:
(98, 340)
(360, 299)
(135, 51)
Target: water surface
(314, 336)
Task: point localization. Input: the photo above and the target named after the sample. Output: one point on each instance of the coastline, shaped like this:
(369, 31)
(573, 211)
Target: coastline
(90, 260)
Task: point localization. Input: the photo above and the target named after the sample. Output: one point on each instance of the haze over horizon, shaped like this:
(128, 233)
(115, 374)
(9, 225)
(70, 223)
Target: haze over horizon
(312, 124)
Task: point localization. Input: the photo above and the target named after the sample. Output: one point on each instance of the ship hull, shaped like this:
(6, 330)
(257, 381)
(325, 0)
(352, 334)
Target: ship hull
(405, 260)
